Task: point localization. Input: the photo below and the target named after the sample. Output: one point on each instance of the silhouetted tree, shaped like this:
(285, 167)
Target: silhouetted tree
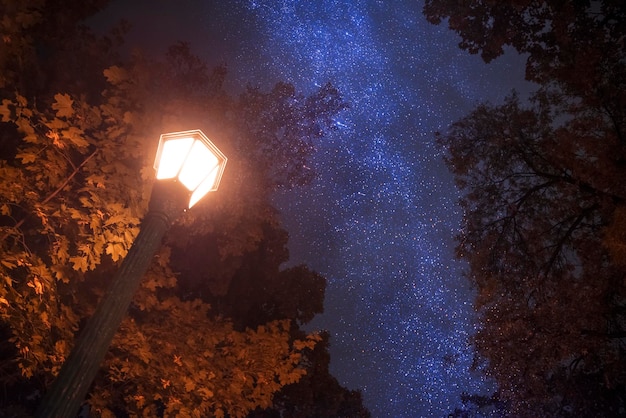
(318, 394)
(544, 200)
(480, 406)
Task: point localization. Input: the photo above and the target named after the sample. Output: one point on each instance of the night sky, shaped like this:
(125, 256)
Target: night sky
(379, 220)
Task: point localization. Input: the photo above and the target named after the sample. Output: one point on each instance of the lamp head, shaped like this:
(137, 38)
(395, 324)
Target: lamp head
(190, 158)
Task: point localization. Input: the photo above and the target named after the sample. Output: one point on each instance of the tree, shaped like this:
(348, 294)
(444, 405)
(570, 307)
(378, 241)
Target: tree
(317, 394)
(74, 181)
(538, 201)
(544, 201)
(475, 406)
(555, 34)
(576, 46)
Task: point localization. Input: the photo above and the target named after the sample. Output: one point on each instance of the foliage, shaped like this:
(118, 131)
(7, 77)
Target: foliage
(533, 231)
(475, 406)
(258, 289)
(75, 168)
(184, 372)
(317, 394)
(544, 199)
(554, 34)
(63, 211)
(574, 49)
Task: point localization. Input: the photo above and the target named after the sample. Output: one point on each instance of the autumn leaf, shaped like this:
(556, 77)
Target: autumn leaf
(37, 285)
(79, 263)
(5, 112)
(189, 384)
(115, 75)
(8, 264)
(116, 250)
(76, 136)
(26, 157)
(115, 219)
(107, 413)
(205, 393)
(61, 347)
(63, 105)
(54, 136)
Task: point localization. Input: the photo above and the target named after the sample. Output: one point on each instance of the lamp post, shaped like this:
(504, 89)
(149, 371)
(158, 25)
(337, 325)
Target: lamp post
(188, 166)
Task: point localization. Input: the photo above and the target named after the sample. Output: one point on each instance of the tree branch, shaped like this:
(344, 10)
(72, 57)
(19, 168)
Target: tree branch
(55, 192)
(567, 235)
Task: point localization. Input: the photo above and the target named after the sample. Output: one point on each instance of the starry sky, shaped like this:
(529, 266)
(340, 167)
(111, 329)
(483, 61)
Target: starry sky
(379, 220)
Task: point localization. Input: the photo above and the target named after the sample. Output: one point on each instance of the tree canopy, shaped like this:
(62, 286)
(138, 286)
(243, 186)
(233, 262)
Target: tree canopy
(78, 132)
(544, 198)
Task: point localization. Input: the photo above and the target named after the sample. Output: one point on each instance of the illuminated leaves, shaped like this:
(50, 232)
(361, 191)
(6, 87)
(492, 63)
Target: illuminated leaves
(26, 157)
(63, 105)
(217, 370)
(36, 284)
(86, 201)
(43, 193)
(75, 136)
(5, 110)
(117, 251)
(71, 196)
(116, 75)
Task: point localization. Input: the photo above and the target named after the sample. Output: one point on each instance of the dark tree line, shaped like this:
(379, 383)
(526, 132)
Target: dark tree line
(544, 194)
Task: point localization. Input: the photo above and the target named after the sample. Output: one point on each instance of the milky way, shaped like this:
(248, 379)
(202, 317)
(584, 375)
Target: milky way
(379, 220)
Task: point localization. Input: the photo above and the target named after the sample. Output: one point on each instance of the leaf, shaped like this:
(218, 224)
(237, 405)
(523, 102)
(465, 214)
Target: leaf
(189, 383)
(115, 75)
(107, 413)
(37, 285)
(7, 280)
(8, 264)
(115, 219)
(79, 263)
(75, 135)
(26, 157)
(116, 250)
(61, 347)
(129, 117)
(63, 105)
(205, 393)
(5, 112)
(21, 100)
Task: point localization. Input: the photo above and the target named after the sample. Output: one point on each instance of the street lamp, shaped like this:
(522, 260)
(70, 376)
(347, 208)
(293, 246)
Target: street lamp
(188, 166)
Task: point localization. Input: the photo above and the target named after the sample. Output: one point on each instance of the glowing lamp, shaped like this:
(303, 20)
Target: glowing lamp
(190, 158)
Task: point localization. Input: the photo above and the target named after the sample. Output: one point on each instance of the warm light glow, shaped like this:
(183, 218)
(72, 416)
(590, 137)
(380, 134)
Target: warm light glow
(173, 153)
(199, 163)
(204, 187)
(191, 158)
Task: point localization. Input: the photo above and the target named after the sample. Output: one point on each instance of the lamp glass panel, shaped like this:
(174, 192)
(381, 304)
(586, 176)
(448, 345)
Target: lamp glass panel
(198, 165)
(173, 154)
(206, 186)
